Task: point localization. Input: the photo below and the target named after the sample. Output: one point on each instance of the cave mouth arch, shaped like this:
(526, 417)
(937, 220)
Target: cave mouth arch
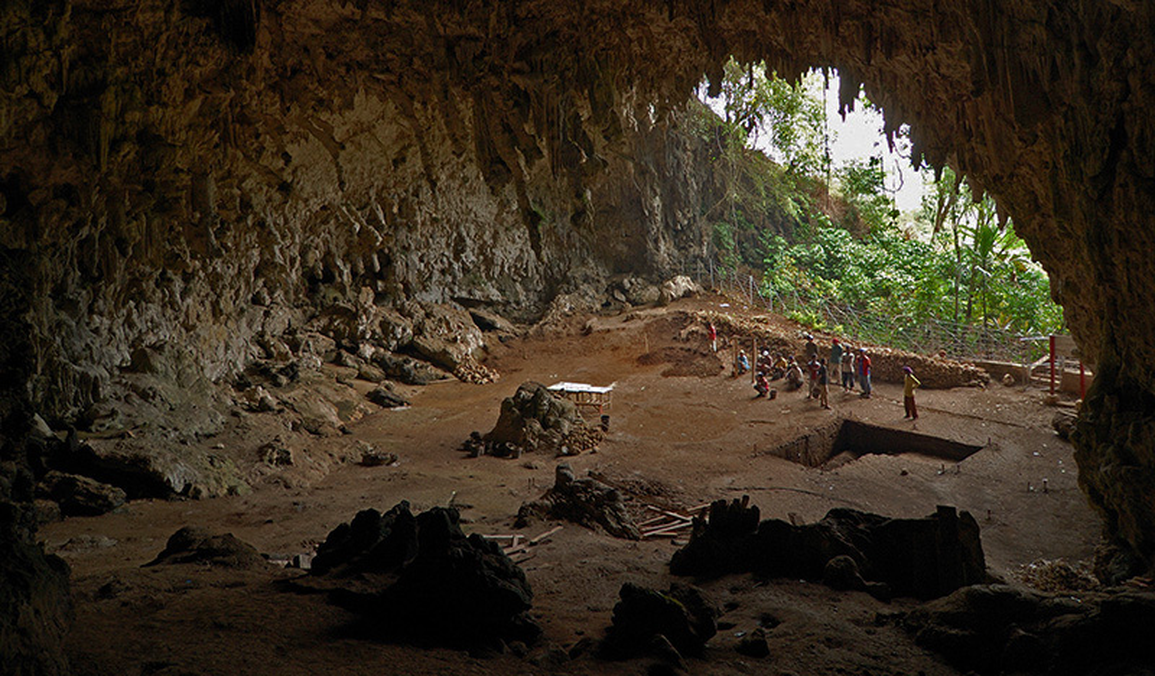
(332, 133)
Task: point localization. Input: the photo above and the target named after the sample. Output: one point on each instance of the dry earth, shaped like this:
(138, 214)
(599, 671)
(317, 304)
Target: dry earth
(674, 440)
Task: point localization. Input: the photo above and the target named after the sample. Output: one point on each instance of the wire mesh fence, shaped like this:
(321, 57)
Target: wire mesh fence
(925, 336)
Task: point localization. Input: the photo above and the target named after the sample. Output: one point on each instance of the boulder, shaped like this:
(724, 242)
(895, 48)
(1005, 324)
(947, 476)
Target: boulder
(443, 333)
(80, 495)
(682, 616)
(924, 558)
(197, 545)
(386, 397)
(407, 369)
(678, 287)
(492, 322)
(583, 501)
(372, 541)
(536, 419)
(1004, 629)
(35, 600)
(754, 644)
(424, 581)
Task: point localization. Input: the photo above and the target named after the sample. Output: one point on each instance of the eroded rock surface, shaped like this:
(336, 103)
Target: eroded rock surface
(1001, 629)
(924, 558)
(586, 501)
(535, 419)
(420, 579)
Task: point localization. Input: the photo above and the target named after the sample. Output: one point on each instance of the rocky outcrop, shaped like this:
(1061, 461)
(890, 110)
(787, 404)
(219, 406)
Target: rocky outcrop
(535, 419)
(850, 550)
(681, 619)
(208, 179)
(995, 629)
(587, 501)
(194, 545)
(35, 601)
(422, 580)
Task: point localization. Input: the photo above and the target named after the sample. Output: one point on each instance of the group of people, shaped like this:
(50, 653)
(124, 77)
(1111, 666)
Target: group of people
(853, 365)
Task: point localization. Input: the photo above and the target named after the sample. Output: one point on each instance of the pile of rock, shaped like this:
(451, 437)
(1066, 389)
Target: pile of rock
(1002, 629)
(472, 371)
(192, 545)
(536, 419)
(419, 578)
(666, 625)
(848, 549)
(587, 501)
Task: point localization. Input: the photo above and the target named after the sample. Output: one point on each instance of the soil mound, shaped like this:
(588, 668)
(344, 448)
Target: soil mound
(683, 362)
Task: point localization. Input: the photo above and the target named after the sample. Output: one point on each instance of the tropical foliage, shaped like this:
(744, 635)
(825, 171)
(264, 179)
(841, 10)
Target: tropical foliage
(845, 257)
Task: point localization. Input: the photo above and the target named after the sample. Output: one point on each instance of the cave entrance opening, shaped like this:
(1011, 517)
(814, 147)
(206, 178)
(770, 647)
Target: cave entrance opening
(847, 440)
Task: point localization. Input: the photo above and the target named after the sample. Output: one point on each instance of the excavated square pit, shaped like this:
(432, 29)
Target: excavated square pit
(848, 440)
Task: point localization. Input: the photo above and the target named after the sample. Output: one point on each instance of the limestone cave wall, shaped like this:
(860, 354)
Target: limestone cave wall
(203, 172)
(209, 174)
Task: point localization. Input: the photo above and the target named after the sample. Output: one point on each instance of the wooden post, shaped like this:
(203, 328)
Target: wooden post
(1052, 365)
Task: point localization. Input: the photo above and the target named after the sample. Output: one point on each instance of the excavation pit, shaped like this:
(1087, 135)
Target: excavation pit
(847, 440)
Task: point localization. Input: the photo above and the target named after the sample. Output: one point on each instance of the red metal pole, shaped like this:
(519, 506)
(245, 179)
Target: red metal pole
(1052, 365)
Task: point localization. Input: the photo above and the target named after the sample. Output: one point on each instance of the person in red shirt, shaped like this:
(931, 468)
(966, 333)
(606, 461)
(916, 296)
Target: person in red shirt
(864, 372)
(713, 332)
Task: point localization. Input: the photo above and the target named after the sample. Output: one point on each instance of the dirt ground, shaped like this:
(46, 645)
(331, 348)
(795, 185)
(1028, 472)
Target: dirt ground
(682, 432)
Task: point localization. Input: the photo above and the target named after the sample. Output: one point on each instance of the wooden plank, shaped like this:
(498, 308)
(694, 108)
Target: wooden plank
(654, 520)
(544, 535)
(500, 537)
(667, 529)
(680, 517)
(510, 551)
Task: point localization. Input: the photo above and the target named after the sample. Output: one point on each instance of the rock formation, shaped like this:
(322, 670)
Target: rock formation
(847, 549)
(587, 501)
(1000, 629)
(420, 579)
(681, 619)
(536, 419)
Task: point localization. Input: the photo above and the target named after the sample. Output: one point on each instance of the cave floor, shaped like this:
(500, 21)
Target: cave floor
(674, 441)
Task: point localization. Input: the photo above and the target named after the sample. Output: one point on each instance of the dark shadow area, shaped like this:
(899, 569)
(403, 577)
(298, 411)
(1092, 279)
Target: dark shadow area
(847, 440)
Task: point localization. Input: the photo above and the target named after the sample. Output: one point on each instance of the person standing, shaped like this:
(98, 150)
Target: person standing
(823, 378)
(864, 372)
(909, 385)
(835, 354)
(812, 368)
(713, 331)
(847, 370)
(811, 349)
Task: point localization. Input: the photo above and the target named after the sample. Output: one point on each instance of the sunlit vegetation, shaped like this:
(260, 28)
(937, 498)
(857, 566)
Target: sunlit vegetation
(828, 243)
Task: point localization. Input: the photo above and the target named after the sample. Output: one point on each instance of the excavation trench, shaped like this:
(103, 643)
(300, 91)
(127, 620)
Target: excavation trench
(847, 440)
